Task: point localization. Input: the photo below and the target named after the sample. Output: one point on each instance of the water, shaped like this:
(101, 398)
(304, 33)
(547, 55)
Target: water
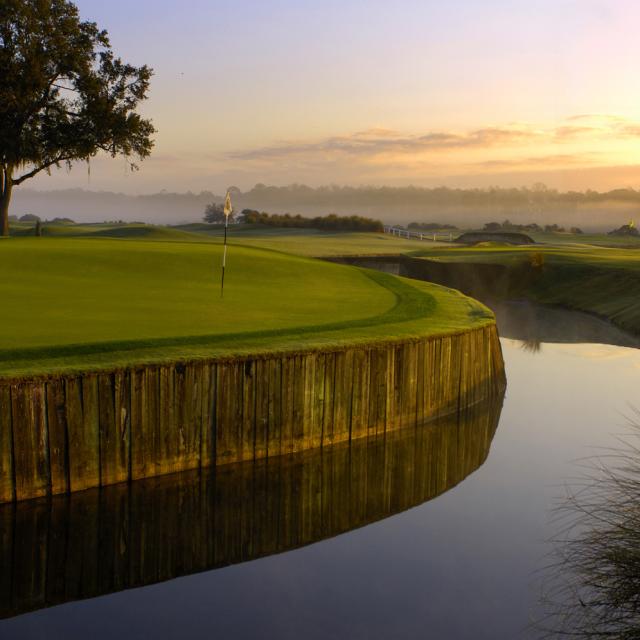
(465, 564)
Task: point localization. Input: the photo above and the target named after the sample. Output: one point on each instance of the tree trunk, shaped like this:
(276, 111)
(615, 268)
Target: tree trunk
(6, 186)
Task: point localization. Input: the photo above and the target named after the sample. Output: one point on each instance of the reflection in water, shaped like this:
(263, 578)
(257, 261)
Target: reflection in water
(531, 345)
(99, 541)
(593, 590)
(529, 322)
(534, 324)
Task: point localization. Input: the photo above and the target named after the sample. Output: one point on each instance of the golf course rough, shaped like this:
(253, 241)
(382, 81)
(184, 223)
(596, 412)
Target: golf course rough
(120, 360)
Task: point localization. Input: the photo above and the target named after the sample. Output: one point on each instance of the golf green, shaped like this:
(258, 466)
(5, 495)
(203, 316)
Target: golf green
(78, 304)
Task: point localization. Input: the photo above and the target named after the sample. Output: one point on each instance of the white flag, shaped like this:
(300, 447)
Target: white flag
(227, 205)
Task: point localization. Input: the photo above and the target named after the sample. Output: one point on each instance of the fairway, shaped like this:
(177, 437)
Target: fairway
(73, 303)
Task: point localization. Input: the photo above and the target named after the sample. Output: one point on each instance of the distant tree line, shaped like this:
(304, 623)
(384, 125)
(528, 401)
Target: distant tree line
(507, 225)
(31, 217)
(535, 196)
(331, 222)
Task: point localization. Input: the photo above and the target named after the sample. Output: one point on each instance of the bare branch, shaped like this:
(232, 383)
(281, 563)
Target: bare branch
(16, 181)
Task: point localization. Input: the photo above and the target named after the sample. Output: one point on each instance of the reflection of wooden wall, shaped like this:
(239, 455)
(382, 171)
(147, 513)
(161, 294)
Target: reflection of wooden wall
(68, 433)
(68, 547)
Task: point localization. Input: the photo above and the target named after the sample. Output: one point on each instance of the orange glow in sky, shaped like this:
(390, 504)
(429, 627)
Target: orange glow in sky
(462, 93)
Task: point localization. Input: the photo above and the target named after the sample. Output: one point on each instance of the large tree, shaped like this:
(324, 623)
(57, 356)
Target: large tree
(214, 213)
(64, 95)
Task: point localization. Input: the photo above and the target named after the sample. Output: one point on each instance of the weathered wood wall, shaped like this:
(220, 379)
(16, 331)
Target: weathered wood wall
(72, 432)
(63, 548)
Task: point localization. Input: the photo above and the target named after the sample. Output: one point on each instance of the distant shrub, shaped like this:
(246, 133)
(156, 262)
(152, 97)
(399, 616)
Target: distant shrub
(214, 214)
(536, 260)
(332, 222)
(625, 230)
(507, 225)
(29, 217)
(62, 221)
(576, 230)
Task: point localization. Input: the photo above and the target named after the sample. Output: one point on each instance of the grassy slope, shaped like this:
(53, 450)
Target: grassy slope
(595, 279)
(307, 242)
(74, 303)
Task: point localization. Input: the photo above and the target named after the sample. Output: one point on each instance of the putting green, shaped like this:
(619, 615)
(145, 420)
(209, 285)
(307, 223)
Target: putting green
(75, 304)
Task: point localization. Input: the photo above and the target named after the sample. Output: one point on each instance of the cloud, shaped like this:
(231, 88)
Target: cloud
(383, 149)
(373, 142)
(568, 133)
(546, 161)
(596, 117)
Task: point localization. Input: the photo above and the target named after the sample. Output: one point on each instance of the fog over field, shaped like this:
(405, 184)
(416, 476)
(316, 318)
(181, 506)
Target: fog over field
(463, 207)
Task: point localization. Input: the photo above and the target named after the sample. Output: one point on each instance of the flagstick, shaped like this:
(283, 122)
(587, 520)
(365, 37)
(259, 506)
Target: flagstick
(224, 255)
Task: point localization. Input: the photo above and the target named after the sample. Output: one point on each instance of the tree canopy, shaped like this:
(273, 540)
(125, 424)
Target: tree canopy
(64, 95)
(332, 222)
(214, 213)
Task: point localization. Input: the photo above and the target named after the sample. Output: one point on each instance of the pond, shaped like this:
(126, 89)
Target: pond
(441, 533)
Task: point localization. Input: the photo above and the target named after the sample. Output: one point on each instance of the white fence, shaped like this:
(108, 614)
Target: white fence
(429, 236)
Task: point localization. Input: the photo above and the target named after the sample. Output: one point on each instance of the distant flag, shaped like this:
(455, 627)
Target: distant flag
(228, 210)
(227, 206)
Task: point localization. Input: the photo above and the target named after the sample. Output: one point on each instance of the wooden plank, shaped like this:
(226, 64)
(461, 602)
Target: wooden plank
(84, 435)
(288, 382)
(207, 437)
(227, 423)
(359, 403)
(190, 414)
(329, 398)
(111, 463)
(439, 391)
(167, 449)
(299, 402)
(7, 478)
(138, 418)
(261, 419)
(317, 400)
(30, 440)
(449, 395)
(154, 461)
(274, 429)
(122, 416)
(464, 369)
(237, 406)
(428, 379)
(374, 392)
(394, 369)
(343, 386)
(57, 426)
(248, 425)
(309, 365)
(420, 382)
(378, 391)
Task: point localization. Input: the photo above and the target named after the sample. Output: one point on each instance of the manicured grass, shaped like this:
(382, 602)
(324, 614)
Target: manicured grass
(311, 242)
(307, 242)
(75, 303)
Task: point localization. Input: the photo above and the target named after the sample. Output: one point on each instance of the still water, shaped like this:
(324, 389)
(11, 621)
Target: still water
(441, 532)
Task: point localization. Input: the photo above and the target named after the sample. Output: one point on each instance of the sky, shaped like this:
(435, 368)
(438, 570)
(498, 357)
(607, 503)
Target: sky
(457, 93)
